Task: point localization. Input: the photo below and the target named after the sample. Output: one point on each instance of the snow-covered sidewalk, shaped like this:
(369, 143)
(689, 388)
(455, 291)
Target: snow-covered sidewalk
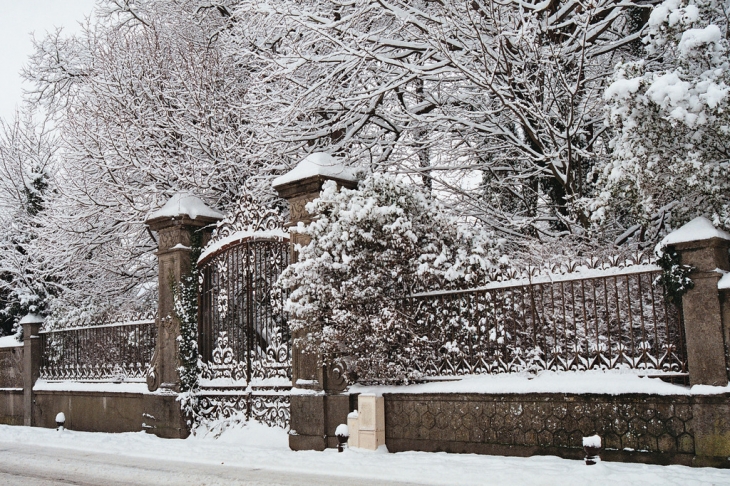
(257, 446)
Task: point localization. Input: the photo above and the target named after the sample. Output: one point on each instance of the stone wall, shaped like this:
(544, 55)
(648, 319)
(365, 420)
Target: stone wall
(637, 428)
(11, 406)
(104, 411)
(11, 385)
(11, 367)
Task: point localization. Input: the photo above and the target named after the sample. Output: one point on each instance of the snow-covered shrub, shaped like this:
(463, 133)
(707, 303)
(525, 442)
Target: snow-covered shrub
(671, 117)
(370, 248)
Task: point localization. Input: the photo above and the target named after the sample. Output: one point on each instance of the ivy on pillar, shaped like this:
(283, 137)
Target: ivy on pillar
(31, 325)
(175, 224)
(704, 248)
(314, 417)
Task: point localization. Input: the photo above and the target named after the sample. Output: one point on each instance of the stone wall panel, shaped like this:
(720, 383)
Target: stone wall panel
(643, 428)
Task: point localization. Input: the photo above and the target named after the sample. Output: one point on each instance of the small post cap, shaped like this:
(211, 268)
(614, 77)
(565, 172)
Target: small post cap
(699, 229)
(185, 204)
(318, 164)
(32, 319)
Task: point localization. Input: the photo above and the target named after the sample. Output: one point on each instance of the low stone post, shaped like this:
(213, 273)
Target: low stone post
(314, 416)
(704, 248)
(31, 362)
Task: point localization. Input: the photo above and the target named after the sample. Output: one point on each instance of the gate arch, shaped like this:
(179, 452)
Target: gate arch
(243, 337)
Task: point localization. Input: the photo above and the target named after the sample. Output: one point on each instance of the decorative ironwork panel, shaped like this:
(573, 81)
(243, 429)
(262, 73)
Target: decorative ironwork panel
(268, 405)
(240, 307)
(114, 352)
(615, 319)
(243, 338)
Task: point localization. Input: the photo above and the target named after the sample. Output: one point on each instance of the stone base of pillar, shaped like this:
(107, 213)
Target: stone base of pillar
(163, 416)
(314, 420)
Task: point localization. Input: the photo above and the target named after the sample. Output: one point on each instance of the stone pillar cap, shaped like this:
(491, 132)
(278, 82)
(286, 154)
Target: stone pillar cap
(699, 229)
(184, 205)
(318, 164)
(32, 319)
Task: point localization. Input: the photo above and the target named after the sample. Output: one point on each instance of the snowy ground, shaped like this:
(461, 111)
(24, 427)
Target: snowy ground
(259, 455)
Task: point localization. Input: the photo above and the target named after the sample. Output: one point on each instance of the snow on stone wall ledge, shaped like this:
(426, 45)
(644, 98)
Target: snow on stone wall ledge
(612, 382)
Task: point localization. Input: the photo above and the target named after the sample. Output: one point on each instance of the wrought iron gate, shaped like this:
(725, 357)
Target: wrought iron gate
(243, 337)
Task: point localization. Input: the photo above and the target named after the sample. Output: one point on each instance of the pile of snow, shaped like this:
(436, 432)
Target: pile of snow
(342, 430)
(32, 319)
(316, 164)
(592, 441)
(184, 204)
(698, 229)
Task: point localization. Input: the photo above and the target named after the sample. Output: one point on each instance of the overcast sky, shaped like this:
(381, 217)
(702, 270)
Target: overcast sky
(20, 18)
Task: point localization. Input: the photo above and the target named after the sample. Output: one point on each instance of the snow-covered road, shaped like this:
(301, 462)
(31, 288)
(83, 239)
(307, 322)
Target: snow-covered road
(31, 465)
(259, 455)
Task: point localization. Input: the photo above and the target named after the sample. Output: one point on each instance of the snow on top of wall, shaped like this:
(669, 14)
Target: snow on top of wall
(184, 204)
(128, 387)
(614, 382)
(9, 342)
(316, 164)
(698, 229)
(240, 236)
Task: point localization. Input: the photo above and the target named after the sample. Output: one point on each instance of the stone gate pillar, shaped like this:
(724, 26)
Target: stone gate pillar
(704, 248)
(175, 224)
(315, 416)
(706, 316)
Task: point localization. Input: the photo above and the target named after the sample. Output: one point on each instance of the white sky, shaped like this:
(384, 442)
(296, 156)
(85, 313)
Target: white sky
(20, 18)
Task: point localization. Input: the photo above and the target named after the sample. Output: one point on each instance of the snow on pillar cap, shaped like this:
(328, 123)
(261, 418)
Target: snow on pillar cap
(316, 164)
(185, 204)
(32, 319)
(698, 229)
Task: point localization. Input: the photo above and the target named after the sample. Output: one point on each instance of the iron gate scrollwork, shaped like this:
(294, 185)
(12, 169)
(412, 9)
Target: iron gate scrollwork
(243, 337)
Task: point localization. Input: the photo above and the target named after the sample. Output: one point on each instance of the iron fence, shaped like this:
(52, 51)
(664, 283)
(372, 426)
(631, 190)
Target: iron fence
(111, 352)
(614, 318)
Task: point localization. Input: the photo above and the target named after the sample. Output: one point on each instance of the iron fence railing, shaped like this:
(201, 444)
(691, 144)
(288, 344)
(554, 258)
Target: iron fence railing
(607, 319)
(112, 352)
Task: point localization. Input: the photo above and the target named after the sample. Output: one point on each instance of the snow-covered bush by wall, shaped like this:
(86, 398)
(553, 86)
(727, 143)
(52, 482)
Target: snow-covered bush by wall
(369, 247)
(672, 124)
